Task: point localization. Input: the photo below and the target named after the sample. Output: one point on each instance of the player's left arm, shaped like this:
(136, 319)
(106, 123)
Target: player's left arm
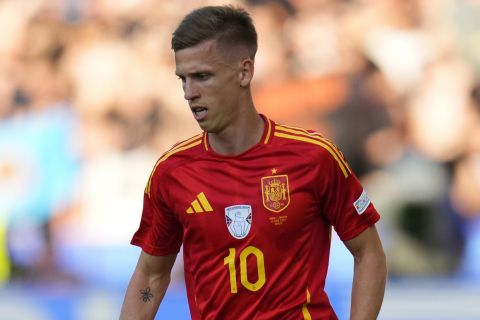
(370, 273)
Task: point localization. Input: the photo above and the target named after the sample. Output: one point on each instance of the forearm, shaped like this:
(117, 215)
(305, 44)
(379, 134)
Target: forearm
(368, 286)
(144, 293)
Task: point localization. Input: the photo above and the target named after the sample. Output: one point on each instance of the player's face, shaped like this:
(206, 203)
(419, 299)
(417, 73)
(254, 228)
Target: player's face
(210, 85)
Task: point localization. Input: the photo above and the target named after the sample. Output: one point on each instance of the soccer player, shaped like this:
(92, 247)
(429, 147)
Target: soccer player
(253, 202)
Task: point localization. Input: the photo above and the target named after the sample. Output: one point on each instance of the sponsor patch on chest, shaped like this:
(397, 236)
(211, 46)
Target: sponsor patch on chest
(239, 220)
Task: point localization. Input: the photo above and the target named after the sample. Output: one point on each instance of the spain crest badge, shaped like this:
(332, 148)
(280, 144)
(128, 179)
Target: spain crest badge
(275, 193)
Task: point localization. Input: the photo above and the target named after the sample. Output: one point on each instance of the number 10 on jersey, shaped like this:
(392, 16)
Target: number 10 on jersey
(230, 261)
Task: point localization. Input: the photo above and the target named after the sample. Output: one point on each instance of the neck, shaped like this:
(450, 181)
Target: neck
(239, 137)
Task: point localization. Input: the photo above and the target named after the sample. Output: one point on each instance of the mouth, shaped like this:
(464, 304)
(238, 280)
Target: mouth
(199, 113)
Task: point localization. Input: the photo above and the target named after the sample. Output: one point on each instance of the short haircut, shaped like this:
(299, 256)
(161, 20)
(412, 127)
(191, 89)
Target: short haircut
(228, 25)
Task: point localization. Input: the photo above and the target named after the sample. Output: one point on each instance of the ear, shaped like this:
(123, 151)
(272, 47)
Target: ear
(246, 72)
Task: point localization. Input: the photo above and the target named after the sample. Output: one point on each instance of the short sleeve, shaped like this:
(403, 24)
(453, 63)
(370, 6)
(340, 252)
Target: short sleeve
(343, 200)
(160, 233)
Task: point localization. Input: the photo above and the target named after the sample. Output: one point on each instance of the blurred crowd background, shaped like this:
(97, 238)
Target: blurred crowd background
(89, 101)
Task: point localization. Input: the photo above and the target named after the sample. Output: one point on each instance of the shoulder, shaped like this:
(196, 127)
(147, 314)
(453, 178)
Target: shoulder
(312, 144)
(176, 156)
(303, 139)
(181, 150)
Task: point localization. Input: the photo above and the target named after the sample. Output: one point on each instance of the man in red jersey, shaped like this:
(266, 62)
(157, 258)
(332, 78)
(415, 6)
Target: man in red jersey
(253, 202)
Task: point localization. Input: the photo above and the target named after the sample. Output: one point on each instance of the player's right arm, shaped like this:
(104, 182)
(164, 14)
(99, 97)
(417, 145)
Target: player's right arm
(147, 286)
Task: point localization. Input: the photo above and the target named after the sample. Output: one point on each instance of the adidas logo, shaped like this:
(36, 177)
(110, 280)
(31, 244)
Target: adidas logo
(200, 204)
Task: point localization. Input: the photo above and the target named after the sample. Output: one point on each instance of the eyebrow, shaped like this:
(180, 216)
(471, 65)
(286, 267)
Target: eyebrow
(193, 73)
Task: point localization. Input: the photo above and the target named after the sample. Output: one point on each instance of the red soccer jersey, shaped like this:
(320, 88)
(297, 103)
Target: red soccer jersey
(255, 227)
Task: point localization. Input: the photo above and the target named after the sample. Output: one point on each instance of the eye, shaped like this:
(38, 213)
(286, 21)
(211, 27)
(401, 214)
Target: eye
(202, 76)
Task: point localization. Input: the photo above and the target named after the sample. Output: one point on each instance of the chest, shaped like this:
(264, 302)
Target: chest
(231, 201)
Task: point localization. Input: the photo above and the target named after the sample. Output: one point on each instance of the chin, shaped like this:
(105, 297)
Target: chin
(204, 127)
(208, 129)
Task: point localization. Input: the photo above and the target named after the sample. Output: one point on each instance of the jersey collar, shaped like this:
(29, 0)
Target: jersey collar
(266, 136)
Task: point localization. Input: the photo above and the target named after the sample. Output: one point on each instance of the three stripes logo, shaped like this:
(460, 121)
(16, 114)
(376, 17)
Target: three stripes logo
(199, 205)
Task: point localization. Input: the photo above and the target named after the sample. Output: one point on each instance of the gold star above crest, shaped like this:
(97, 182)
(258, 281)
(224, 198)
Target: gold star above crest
(274, 171)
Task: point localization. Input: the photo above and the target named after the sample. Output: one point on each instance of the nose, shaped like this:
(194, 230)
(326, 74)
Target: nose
(190, 90)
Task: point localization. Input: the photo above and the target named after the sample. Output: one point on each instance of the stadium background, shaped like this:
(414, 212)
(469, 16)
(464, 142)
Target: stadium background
(89, 100)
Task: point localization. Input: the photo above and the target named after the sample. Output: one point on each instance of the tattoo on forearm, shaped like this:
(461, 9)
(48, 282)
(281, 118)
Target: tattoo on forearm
(146, 295)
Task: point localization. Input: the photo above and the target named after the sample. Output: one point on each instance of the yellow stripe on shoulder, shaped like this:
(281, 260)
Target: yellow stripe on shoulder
(317, 140)
(184, 142)
(185, 145)
(179, 148)
(317, 135)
